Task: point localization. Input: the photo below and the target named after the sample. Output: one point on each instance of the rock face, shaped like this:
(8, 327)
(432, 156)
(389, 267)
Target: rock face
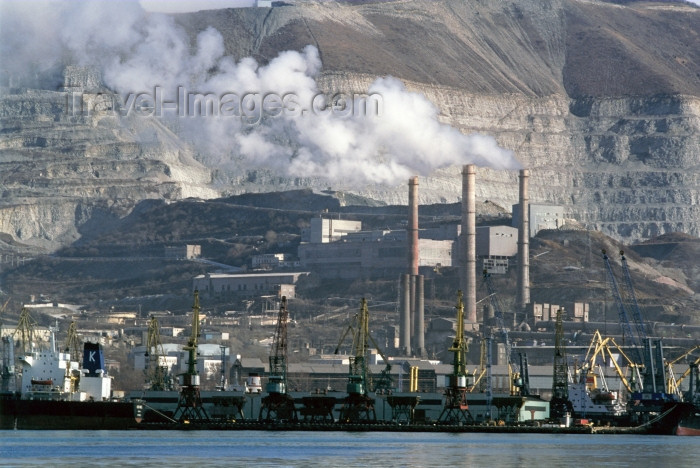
(601, 101)
(61, 173)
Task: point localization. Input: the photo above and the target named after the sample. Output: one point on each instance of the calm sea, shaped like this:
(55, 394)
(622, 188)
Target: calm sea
(200, 449)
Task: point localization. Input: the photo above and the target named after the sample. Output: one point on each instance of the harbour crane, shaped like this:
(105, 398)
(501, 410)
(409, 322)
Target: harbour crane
(632, 298)
(601, 347)
(157, 374)
(560, 403)
(674, 384)
(500, 321)
(189, 406)
(358, 406)
(456, 409)
(621, 309)
(278, 405)
(25, 330)
(72, 345)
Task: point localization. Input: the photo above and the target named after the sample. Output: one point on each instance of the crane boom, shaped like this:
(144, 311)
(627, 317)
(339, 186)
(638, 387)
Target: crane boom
(621, 310)
(278, 356)
(498, 312)
(636, 313)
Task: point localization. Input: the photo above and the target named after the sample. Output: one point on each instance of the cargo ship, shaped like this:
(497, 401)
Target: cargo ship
(689, 425)
(57, 393)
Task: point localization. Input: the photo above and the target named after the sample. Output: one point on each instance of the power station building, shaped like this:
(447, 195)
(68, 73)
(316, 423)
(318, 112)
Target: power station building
(349, 254)
(247, 285)
(541, 217)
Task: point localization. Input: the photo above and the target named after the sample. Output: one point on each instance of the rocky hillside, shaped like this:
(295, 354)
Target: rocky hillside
(600, 100)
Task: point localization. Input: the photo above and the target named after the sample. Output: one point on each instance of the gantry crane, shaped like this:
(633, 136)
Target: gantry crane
(674, 384)
(500, 320)
(278, 405)
(72, 345)
(25, 330)
(358, 406)
(157, 374)
(456, 409)
(189, 406)
(560, 404)
(622, 310)
(7, 372)
(600, 346)
(632, 298)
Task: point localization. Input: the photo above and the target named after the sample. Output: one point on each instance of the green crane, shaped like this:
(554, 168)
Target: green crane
(456, 409)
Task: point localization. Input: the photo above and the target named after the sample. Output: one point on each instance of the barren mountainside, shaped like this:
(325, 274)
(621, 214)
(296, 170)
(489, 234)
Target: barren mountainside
(600, 100)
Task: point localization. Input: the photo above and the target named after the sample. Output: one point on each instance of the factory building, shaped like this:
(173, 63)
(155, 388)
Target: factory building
(356, 254)
(541, 217)
(246, 285)
(273, 261)
(324, 230)
(179, 252)
(495, 245)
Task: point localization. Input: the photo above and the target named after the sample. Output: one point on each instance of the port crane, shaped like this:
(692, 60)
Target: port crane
(674, 384)
(651, 395)
(603, 348)
(278, 405)
(25, 330)
(498, 313)
(157, 374)
(7, 372)
(189, 405)
(621, 309)
(358, 406)
(456, 409)
(560, 403)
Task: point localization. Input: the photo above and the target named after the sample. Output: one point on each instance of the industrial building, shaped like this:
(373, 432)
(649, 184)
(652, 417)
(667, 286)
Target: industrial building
(179, 252)
(541, 217)
(272, 261)
(247, 285)
(495, 245)
(380, 253)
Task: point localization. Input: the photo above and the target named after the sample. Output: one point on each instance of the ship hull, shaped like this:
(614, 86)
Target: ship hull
(689, 426)
(48, 414)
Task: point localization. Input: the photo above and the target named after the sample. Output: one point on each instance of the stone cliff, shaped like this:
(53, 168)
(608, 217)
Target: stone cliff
(601, 101)
(61, 172)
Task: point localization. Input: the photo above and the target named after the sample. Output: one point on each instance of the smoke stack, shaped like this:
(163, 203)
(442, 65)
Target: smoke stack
(405, 322)
(412, 226)
(468, 247)
(523, 290)
(419, 325)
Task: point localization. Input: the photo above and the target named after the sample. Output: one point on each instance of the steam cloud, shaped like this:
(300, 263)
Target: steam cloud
(136, 51)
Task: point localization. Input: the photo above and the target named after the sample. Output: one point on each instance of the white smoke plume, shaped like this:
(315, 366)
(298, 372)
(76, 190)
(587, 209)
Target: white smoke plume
(138, 51)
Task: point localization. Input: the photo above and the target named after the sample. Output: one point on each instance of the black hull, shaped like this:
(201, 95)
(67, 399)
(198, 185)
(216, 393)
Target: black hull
(689, 425)
(83, 415)
(670, 416)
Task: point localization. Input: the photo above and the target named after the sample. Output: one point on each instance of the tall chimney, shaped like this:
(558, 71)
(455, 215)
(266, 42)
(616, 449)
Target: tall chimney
(419, 325)
(412, 233)
(523, 290)
(405, 321)
(468, 247)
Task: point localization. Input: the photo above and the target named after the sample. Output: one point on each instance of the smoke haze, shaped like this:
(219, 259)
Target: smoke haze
(137, 51)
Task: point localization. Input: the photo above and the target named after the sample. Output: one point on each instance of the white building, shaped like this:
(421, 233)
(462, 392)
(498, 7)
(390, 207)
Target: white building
(541, 217)
(324, 230)
(249, 284)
